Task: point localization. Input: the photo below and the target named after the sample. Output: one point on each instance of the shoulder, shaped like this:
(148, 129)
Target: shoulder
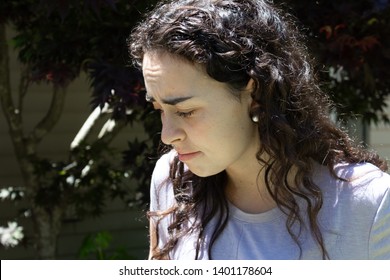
(353, 172)
(359, 190)
(367, 189)
(364, 178)
(356, 210)
(358, 183)
(356, 193)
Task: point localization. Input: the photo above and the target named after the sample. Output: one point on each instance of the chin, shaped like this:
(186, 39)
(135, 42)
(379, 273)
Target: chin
(203, 172)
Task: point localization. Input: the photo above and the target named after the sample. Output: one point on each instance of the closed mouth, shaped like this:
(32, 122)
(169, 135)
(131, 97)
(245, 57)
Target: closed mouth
(187, 156)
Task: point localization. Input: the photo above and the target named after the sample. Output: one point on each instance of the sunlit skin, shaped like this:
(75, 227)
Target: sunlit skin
(209, 127)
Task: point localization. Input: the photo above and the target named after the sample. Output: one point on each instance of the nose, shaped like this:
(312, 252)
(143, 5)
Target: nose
(171, 132)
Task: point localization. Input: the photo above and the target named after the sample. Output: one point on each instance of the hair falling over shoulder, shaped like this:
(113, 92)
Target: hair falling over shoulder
(235, 41)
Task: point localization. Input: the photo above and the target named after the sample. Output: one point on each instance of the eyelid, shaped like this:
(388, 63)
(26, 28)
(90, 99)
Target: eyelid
(185, 114)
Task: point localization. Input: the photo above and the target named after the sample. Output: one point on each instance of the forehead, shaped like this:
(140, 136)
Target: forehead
(154, 63)
(168, 77)
(166, 72)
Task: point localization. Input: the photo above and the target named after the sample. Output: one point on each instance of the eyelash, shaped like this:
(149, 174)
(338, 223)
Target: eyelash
(184, 114)
(180, 114)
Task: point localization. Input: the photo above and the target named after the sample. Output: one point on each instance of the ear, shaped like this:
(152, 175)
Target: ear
(250, 86)
(254, 105)
(249, 89)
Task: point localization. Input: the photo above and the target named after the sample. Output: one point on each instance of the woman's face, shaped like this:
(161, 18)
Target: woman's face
(208, 127)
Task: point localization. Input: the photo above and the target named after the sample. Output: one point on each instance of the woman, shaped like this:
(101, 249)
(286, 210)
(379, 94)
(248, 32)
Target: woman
(256, 169)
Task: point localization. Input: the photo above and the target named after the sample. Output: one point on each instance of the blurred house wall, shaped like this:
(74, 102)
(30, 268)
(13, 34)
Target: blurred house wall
(379, 137)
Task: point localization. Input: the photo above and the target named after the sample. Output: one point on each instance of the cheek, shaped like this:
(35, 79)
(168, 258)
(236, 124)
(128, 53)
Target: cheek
(202, 125)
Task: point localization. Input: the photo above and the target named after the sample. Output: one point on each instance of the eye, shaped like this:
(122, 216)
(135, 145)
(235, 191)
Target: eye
(185, 114)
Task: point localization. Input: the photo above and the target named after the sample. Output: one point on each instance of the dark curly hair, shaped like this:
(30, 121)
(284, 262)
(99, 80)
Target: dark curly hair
(235, 41)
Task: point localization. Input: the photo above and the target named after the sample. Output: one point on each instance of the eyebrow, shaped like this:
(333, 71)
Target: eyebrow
(169, 101)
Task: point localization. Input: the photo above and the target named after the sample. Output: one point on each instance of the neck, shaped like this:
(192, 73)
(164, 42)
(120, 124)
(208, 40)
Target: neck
(246, 188)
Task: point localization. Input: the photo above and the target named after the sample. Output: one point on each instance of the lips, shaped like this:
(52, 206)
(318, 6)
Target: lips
(187, 156)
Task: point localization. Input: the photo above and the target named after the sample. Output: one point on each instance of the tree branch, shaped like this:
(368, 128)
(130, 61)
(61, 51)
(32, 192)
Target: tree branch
(23, 87)
(52, 117)
(12, 114)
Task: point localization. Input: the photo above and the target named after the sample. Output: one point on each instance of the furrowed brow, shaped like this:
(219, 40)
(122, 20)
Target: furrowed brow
(175, 100)
(170, 100)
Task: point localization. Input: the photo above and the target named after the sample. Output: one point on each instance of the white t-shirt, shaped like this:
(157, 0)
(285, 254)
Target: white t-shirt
(354, 220)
